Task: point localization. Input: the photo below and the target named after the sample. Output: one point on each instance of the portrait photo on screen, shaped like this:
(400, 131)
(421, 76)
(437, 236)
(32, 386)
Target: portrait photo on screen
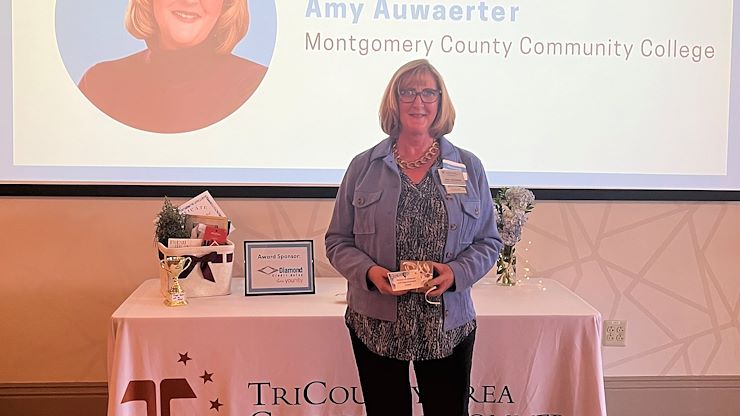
(184, 75)
(261, 92)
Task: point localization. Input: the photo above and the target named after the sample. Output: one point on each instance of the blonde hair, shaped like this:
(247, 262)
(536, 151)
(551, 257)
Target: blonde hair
(229, 29)
(390, 119)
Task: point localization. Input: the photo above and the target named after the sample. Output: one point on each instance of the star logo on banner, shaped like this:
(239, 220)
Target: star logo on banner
(206, 377)
(215, 404)
(184, 358)
(161, 391)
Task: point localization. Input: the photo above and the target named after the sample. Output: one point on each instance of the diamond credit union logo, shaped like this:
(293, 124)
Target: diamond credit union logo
(268, 270)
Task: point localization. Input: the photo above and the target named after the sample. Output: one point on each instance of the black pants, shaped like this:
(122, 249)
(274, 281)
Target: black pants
(443, 384)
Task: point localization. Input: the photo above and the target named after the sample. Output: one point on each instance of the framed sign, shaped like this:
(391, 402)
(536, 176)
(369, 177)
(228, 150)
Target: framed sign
(278, 267)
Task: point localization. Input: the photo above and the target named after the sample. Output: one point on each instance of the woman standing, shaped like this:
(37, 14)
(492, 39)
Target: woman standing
(393, 205)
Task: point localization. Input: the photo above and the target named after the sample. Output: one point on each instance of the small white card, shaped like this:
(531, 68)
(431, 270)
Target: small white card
(414, 274)
(407, 280)
(456, 189)
(203, 204)
(184, 242)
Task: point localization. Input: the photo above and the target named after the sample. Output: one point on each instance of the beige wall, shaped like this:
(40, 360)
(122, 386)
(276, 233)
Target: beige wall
(670, 269)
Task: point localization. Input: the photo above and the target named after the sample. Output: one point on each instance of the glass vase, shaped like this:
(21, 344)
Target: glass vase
(506, 266)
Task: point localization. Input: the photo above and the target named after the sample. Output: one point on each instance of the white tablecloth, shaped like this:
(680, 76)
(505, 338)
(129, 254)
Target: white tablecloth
(537, 352)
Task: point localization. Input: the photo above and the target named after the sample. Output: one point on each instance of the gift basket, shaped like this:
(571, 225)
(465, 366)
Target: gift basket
(198, 230)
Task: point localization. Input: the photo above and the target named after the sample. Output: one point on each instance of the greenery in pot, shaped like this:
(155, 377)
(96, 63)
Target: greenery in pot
(170, 223)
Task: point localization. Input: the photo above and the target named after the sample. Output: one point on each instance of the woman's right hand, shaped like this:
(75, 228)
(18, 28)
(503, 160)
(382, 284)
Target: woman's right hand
(379, 277)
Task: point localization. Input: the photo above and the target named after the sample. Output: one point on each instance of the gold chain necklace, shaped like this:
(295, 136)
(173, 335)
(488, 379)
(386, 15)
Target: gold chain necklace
(430, 154)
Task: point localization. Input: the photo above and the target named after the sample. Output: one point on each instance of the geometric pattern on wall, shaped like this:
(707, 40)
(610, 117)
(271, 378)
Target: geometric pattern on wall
(671, 270)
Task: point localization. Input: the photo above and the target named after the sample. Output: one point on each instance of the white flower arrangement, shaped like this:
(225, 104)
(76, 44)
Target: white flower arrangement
(513, 206)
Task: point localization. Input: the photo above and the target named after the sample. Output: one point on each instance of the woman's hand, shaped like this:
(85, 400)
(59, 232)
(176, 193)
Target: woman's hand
(444, 280)
(379, 277)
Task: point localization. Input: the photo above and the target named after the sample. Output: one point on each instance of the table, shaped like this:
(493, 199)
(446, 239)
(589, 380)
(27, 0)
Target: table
(537, 352)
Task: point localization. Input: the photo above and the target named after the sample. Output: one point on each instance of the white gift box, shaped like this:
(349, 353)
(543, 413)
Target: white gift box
(209, 273)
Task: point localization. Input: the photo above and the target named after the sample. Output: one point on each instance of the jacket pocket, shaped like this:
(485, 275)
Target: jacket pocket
(365, 204)
(471, 211)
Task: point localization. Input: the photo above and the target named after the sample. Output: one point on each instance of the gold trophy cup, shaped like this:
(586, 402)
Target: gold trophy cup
(174, 265)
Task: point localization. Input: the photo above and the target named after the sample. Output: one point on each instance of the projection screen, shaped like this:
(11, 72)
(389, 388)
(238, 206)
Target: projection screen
(573, 94)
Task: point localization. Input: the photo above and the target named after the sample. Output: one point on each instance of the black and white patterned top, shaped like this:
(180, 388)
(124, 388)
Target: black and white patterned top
(417, 334)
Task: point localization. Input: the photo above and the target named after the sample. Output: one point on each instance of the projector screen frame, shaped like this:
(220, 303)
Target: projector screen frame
(329, 192)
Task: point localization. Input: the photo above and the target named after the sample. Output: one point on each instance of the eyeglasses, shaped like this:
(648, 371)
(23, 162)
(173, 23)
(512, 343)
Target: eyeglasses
(428, 95)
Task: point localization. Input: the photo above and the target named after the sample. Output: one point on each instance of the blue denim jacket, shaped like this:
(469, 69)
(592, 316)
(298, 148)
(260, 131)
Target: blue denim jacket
(362, 231)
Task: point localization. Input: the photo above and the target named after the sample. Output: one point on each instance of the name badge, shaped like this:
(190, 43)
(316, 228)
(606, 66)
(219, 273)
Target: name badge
(456, 189)
(452, 165)
(450, 177)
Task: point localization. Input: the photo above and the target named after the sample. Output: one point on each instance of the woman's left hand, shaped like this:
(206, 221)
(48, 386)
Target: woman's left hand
(444, 280)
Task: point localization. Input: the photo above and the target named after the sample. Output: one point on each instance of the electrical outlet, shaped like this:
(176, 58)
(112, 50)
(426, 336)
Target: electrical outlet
(615, 333)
